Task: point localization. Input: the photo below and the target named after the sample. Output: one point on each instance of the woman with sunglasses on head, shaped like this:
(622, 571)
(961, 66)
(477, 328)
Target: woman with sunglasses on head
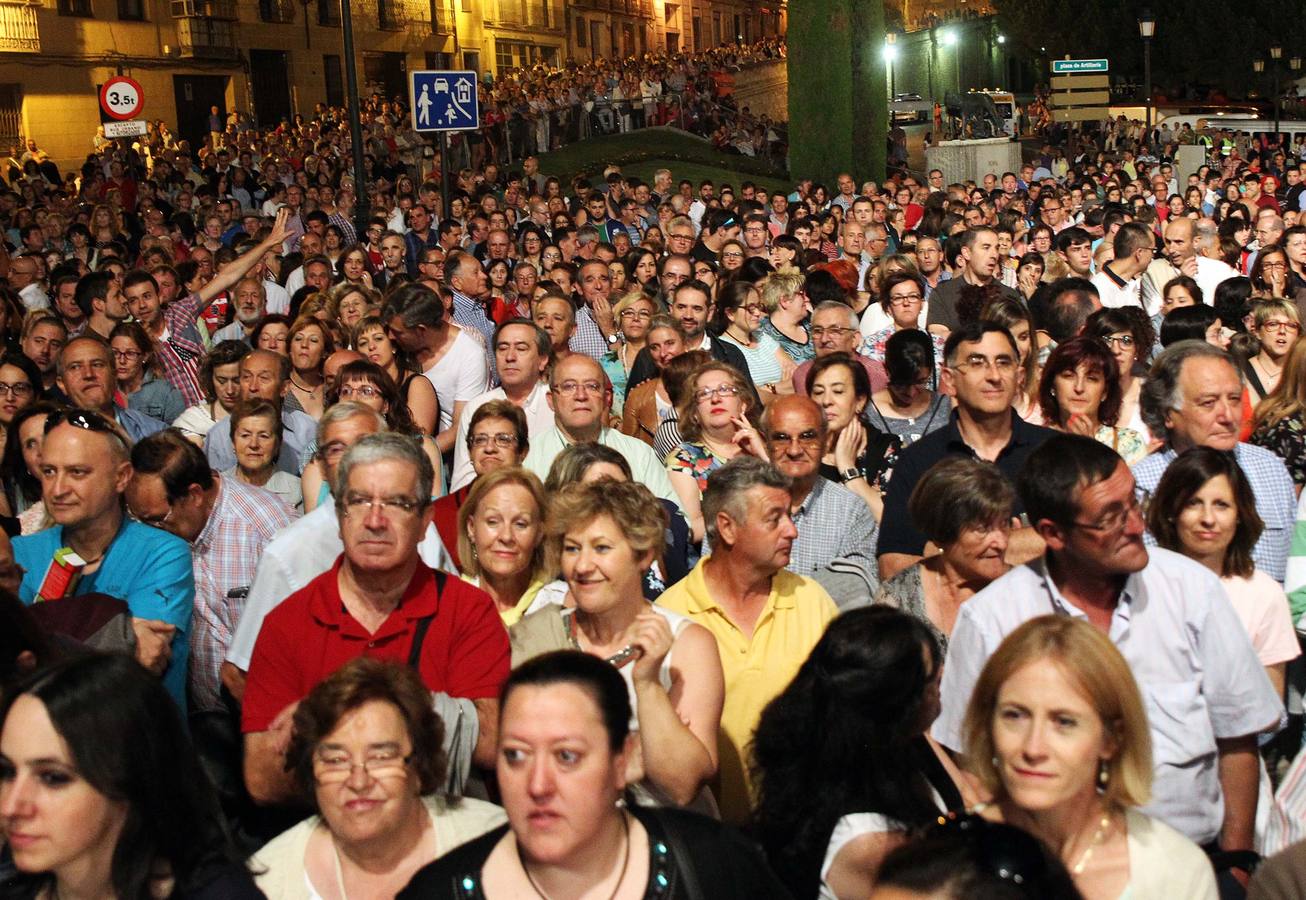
(367, 755)
(1057, 733)
(102, 795)
(564, 750)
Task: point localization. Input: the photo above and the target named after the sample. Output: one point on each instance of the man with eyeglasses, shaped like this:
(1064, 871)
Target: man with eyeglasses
(580, 396)
(523, 352)
(85, 468)
(378, 599)
(1206, 693)
(1193, 396)
(834, 329)
(719, 226)
(979, 374)
(227, 524)
(833, 523)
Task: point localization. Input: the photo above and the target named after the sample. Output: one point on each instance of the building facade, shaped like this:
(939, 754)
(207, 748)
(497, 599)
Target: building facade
(278, 58)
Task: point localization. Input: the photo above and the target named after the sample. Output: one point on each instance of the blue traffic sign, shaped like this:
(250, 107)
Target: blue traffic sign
(444, 101)
(1079, 66)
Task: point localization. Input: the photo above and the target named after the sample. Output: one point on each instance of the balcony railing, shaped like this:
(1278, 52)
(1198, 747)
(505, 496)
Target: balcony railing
(205, 38)
(18, 31)
(224, 10)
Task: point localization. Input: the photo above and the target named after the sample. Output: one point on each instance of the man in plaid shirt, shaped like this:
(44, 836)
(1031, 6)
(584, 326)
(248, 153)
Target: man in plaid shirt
(227, 524)
(178, 347)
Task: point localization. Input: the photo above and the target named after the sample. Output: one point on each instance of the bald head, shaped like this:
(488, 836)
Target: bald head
(794, 427)
(337, 361)
(1179, 240)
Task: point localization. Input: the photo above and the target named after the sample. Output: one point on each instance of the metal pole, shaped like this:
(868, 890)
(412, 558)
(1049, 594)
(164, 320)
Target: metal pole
(362, 196)
(446, 187)
(1278, 140)
(1147, 86)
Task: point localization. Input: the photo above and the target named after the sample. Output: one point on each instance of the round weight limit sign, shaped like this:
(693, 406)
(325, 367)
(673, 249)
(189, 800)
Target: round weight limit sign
(120, 98)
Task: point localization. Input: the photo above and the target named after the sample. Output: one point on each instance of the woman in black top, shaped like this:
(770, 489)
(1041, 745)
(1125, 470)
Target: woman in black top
(564, 727)
(856, 455)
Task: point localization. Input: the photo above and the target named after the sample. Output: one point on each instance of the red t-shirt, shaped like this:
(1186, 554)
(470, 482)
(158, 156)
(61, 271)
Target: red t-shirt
(310, 635)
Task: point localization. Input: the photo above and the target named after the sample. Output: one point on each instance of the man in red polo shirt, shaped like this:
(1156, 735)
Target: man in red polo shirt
(377, 600)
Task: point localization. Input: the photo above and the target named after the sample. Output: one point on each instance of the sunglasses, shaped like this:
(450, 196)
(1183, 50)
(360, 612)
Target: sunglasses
(85, 419)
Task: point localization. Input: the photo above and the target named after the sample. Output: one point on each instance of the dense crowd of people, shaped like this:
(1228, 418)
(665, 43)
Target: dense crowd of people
(650, 539)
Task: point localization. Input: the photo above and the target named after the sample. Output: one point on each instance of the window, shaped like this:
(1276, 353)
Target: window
(328, 12)
(129, 10)
(75, 8)
(388, 15)
(335, 84)
(276, 11)
(544, 14)
(580, 31)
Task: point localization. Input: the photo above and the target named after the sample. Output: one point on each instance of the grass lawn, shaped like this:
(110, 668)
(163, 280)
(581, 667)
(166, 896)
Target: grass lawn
(641, 153)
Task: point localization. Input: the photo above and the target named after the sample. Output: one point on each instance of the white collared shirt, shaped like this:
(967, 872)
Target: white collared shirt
(539, 419)
(1199, 676)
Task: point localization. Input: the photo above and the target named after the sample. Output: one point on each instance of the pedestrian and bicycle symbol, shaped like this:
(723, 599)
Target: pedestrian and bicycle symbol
(444, 101)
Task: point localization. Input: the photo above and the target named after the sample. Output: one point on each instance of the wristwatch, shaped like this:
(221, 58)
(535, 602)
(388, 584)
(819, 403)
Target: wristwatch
(847, 475)
(612, 339)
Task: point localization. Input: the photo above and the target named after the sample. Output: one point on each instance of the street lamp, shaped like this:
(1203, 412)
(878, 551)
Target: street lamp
(1147, 30)
(1276, 54)
(891, 57)
(950, 40)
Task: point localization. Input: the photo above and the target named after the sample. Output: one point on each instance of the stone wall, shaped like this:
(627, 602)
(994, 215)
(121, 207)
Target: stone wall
(764, 89)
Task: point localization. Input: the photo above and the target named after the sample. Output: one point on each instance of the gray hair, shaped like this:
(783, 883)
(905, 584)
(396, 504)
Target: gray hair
(347, 409)
(827, 305)
(728, 486)
(1161, 392)
(384, 447)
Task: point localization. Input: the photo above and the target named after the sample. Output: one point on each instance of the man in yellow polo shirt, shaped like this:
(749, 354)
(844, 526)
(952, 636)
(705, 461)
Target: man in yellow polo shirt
(765, 618)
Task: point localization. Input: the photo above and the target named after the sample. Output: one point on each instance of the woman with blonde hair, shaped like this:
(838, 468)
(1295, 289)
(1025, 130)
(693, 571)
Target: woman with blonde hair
(1277, 325)
(787, 309)
(1057, 732)
(1280, 420)
(634, 314)
(501, 539)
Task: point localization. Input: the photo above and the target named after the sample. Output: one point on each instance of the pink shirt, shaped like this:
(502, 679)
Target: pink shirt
(1262, 607)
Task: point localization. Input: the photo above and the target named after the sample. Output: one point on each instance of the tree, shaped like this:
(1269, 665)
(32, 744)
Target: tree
(838, 107)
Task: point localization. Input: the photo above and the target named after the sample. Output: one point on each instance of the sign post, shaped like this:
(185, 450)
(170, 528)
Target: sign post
(1081, 90)
(1080, 66)
(441, 102)
(121, 100)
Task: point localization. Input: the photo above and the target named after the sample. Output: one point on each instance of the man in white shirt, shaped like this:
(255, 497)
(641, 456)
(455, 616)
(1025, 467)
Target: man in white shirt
(522, 351)
(1120, 283)
(455, 363)
(1181, 258)
(580, 396)
(1206, 694)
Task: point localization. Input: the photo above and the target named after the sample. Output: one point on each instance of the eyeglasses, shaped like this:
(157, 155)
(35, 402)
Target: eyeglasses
(502, 439)
(363, 390)
(567, 388)
(811, 436)
(127, 354)
(833, 331)
(681, 236)
(636, 314)
(391, 506)
(19, 390)
(1124, 340)
(156, 521)
(1114, 522)
(333, 768)
(711, 393)
(1281, 326)
(732, 254)
(1004, 365)
(905, 299)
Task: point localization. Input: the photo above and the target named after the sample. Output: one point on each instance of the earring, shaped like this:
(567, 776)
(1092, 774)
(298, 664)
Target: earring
(1103, 774)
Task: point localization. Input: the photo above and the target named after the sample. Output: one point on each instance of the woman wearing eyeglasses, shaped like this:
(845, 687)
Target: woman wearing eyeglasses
(1130, 337)
(1276, 324)
(366, 754)
(362, 381)
(634, 313)
(714, 419)
(146, 393)
(902, 298)
(1269, 274)
(1057, 733)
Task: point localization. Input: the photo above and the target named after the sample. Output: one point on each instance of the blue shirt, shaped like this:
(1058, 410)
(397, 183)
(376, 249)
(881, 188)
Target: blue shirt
(147, 567)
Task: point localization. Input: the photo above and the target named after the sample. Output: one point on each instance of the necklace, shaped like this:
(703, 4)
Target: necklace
(312, 392)
(625, 862)
(1100, 833)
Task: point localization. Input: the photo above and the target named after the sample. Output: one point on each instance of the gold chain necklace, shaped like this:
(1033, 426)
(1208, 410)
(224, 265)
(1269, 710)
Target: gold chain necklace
(1102, 826)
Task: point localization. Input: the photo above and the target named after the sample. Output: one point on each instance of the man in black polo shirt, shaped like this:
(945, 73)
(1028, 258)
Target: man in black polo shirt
(979, 374)
(979, 266)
